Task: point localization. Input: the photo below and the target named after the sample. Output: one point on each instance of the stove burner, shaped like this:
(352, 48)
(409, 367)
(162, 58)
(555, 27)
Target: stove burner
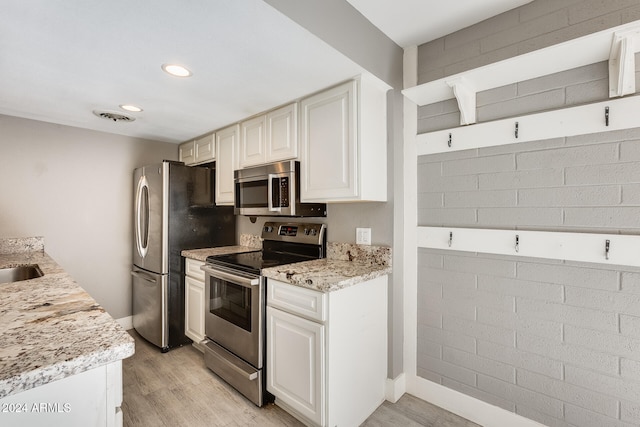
(283, 243)
(254, 262)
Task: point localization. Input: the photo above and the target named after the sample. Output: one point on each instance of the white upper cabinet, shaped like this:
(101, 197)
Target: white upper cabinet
(252, 141)
(201, 150)
(187, 152)
(226, 163)
(269, 137)
(282, 134)
(343, 143)
(206, 148)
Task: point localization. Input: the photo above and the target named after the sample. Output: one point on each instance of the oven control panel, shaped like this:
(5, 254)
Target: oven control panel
(294, 232)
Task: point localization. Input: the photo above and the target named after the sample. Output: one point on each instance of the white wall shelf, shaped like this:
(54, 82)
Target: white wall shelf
(582, 120)
(601, 46)
(584, 247)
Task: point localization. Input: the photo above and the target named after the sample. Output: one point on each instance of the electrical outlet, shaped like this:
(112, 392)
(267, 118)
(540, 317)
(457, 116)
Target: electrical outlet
(363, 236)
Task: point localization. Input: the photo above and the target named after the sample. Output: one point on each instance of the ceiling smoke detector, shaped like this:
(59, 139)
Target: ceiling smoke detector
(112, 115)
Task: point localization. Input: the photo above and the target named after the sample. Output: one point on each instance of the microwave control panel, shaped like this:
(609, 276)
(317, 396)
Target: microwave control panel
(280, 196)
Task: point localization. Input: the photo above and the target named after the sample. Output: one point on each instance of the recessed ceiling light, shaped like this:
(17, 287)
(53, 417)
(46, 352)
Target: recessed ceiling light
(132, 108)
(176, 70)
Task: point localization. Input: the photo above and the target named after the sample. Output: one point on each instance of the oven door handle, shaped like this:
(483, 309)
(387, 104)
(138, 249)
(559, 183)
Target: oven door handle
(222, 356)
(230, 277)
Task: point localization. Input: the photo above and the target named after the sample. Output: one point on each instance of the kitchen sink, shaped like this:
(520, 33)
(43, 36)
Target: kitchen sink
(21, 272)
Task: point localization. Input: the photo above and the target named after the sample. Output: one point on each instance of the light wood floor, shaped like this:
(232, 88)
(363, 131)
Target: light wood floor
(176, 389)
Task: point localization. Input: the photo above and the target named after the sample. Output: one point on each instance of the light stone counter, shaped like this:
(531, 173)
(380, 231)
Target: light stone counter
(202, 254)
(50, 328)
(326, 275)
(248, 243)
(346, 265)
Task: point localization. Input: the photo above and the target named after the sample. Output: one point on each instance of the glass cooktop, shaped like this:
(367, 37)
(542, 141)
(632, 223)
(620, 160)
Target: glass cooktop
(254, 262)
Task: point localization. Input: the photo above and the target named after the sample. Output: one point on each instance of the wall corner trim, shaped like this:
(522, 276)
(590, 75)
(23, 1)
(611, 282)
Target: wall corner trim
(610, 249)
(395, 388)
(466, 406)
(126, 322)
(610, 115)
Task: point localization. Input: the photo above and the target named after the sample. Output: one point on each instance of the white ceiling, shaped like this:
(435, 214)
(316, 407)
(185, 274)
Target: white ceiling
(413, 22)
(62, 59)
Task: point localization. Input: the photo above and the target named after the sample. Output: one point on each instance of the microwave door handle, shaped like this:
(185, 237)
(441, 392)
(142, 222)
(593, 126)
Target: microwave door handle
(270, 179)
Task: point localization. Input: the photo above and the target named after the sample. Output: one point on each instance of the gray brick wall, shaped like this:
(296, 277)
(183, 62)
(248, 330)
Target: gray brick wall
(570, 184)
(536, 25)
(554, 341)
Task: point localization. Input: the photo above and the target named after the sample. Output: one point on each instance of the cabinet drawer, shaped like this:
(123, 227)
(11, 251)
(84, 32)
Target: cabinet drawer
(296, 300)
(192, 268)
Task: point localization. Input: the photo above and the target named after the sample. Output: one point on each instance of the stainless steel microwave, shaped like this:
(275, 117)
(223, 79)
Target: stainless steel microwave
(272, 190)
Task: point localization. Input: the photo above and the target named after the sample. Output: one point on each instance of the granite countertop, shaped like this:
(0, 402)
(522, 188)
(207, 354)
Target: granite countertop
(326, 275)
(248, 243)
(202, 254)
(346, 264)
(50, 328)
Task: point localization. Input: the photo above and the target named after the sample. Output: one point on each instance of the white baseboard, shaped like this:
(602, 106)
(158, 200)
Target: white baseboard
(126, 322)
(466, 406)
(395, 388)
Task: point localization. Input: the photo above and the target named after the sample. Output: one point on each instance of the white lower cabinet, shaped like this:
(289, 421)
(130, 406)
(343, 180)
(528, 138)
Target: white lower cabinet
(327, 352)
(297, 360)
(194, 300)
(90, 398)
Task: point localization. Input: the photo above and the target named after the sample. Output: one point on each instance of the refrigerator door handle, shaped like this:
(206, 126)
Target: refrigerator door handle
(145, 277)
(142, 216)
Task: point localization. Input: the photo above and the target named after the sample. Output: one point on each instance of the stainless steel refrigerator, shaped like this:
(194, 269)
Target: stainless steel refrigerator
(174, 209)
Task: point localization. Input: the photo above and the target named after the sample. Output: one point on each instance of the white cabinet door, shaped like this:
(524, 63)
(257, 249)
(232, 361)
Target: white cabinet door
(295, 363)
(187, 152)
(329, 369)
(343, 143)
(90, 398)
(252, 141)
(328, 144)
(194, 309)
(226, 163)
(194, 299)
(282, 134)
(205, 149)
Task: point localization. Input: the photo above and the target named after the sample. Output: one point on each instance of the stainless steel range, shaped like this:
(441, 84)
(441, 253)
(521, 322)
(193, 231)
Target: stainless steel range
(235, 295)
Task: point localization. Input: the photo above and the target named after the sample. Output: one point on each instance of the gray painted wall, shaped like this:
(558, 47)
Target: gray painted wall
(345, 29)
(557, 342)
(75, 187)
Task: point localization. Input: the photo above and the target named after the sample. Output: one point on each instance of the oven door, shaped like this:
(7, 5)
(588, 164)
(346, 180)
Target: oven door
(234, 311)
